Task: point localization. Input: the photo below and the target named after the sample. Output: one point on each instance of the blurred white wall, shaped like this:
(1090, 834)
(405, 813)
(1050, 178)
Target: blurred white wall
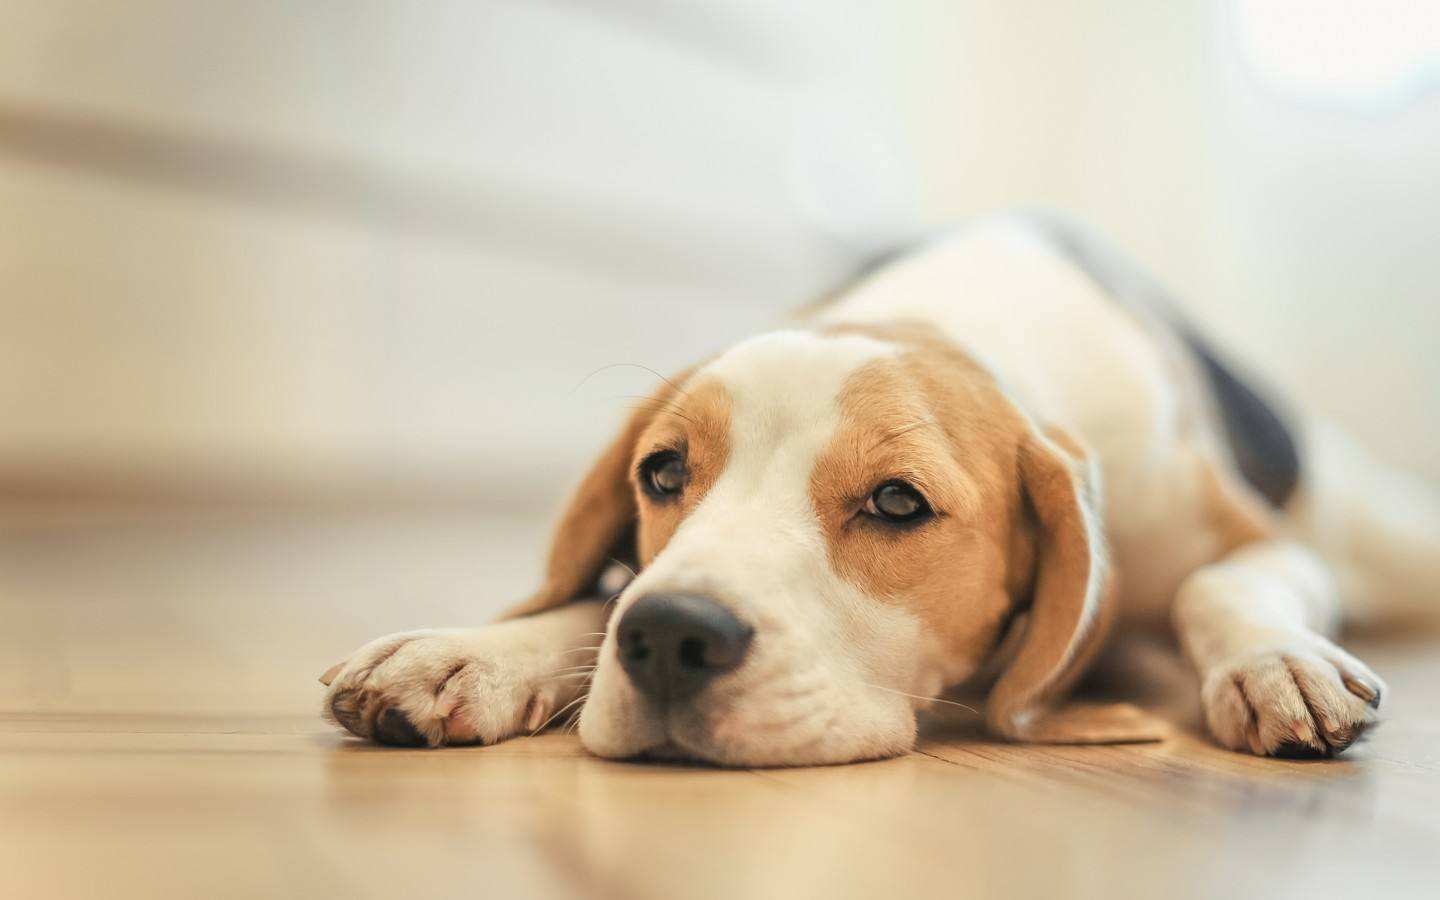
(268, 243)
(1302, 230)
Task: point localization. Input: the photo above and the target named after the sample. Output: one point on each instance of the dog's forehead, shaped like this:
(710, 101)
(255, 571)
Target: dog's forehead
(784, 381)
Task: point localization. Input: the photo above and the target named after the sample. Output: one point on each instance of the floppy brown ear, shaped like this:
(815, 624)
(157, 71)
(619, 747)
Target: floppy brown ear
(1072, 605)
(598, 522)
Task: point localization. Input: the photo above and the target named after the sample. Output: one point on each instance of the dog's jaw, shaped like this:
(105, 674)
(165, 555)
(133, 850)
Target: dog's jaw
(790, 725)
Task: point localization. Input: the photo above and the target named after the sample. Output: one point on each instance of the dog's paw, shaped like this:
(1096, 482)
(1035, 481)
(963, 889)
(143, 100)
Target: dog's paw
(1292, 701)
(434, 688)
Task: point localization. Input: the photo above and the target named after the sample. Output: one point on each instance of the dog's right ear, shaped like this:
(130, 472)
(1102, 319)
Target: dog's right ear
(1073, 589)
(599, 520)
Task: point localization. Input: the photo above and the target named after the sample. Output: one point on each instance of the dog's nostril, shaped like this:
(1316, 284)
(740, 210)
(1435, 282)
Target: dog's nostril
(692, 652)
(633, 643)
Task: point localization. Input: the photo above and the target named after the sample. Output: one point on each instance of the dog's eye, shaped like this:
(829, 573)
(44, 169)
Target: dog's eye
(663, 474)
(897, 502)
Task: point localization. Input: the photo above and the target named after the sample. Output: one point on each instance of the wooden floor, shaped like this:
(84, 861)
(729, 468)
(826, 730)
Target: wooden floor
(158, 739)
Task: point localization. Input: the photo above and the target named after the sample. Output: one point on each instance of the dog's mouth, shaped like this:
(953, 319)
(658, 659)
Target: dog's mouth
(690, 744)
(797, 719)
(669, 751)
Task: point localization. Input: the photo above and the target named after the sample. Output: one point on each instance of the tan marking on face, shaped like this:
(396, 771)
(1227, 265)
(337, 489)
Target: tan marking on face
(695, 423)
(933, 418)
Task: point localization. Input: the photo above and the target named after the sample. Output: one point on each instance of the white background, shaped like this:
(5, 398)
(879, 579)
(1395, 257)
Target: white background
(276, 245)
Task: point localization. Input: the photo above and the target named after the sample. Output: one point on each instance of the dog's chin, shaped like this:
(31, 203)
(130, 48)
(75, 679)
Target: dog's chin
(618, 724)
(775, 753)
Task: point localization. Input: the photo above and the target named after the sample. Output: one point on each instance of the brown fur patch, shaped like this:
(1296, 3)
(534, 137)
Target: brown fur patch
(695, 424)
(935, 419)
(1014, 523)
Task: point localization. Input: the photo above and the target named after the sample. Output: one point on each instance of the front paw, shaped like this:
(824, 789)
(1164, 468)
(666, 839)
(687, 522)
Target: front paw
(436, 688)
(1292, 701)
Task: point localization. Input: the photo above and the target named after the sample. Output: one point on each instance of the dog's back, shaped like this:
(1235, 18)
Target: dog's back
(1084, 337)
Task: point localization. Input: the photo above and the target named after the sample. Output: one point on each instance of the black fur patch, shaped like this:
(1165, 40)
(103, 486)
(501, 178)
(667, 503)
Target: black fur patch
(1264, 449)
(1262, 446)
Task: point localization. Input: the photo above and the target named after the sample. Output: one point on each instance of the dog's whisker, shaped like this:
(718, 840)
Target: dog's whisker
(678, 415)
(656, 406)
(622, 564)
(926, 699)
(574, 721)
(558, 713)
(577, 650)
(580, 667)
(657, 402)
(631, 365)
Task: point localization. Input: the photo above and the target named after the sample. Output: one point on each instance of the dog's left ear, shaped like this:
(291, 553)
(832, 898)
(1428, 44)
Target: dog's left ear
(598, 523)
(1072, 605)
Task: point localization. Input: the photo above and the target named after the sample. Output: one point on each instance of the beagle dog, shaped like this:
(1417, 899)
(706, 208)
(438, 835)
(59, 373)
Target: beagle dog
(964, 468)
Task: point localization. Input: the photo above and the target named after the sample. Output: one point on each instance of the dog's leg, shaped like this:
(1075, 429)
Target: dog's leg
(1257, 626)
(468, 685)
(1377, 527)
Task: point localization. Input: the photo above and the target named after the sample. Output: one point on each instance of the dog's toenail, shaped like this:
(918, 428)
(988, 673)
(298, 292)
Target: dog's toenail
(1365, 691)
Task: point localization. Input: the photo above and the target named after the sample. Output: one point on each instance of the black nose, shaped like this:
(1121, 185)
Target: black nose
(672, 644)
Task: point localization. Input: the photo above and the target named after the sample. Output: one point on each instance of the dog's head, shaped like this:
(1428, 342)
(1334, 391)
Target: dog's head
(829, 527)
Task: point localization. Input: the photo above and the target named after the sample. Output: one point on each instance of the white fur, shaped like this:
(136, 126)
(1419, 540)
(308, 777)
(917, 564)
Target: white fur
(806, 690)
(1256, 625)
(832, 672)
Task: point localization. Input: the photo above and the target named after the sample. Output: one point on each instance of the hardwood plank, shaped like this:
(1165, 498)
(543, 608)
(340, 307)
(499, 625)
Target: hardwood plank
(133, 794)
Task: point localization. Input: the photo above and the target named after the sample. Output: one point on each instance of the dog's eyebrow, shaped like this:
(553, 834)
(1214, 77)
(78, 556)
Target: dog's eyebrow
(902, 430)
